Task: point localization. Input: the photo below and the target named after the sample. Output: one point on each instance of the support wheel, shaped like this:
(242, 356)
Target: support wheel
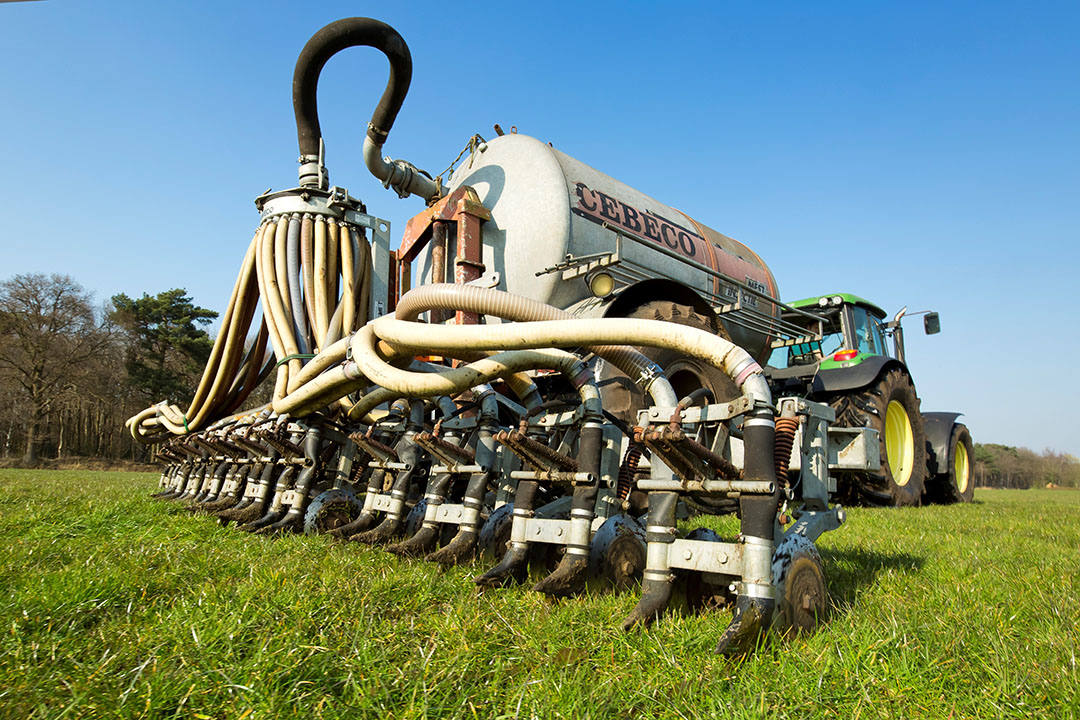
(331, 510)
(799, 581)
(704, 593)
(495, 533)
(891, 407)
(617, 552)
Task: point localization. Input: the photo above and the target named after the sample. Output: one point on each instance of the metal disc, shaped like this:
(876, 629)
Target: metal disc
(330, 510)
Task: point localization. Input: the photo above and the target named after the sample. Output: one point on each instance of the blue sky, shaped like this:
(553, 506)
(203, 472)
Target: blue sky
(920, 154)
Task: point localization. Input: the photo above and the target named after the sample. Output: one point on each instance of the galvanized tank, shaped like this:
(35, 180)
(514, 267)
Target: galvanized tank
(545, 206)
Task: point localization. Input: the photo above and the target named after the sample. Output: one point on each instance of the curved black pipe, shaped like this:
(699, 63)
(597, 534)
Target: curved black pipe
(332, 39)
(759, 511)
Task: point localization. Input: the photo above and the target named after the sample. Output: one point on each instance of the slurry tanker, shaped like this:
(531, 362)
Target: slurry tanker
(549, 370)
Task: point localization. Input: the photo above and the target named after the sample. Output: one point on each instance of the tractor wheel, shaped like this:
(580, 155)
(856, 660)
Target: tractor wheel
(799, 583)
(958, 484)
(891, 407)
(623, 398)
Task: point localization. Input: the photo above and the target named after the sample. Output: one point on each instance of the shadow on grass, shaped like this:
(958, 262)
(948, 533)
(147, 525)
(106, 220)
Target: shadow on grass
(849, 571)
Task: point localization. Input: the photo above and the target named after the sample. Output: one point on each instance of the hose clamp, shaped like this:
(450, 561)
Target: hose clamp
(758, 591)
(759, 422)
(745, 370)
(649, 373)
(581, 375)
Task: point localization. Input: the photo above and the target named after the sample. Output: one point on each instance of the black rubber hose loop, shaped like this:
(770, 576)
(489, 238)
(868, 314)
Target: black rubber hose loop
(332, 39)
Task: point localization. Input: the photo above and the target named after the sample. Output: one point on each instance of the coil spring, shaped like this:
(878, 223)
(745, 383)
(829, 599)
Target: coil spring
(785, 439)
(626, 471)
(359, 465)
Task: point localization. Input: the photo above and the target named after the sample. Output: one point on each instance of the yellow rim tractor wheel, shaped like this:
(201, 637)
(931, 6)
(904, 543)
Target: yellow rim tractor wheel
(961, 468)
(899, 443)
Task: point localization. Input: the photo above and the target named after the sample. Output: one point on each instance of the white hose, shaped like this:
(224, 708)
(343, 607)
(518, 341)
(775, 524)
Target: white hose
(713, 349)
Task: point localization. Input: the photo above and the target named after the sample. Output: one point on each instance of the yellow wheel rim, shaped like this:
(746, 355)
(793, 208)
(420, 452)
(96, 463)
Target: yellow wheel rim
(899, 443)
(961, 468)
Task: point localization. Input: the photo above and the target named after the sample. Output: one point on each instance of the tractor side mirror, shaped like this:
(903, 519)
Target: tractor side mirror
(931, 323)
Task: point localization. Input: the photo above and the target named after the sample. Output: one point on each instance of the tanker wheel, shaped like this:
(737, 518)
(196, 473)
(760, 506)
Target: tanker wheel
(623, 398)
(799, 584)
(958, 484)
(891, 407)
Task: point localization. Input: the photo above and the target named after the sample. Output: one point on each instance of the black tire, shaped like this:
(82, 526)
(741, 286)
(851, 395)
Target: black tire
(958, 483)
(494, 537)
(623, 398)
(899, 486)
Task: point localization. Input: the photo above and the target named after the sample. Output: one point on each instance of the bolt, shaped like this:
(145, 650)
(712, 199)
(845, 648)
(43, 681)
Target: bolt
(687, 555)
(537, 531)
(558, 532)
(722, 558)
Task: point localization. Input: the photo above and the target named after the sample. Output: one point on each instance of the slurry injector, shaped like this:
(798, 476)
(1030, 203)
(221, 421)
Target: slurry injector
(577, 366)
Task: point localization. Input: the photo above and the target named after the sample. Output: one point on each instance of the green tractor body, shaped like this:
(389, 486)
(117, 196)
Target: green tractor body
(858, 367)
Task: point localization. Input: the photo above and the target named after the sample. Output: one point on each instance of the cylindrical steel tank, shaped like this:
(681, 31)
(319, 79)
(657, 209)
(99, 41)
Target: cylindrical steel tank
(548, 208)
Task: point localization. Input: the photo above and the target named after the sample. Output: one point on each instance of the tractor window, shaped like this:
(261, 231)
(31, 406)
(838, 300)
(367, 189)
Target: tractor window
(808, 353)
(868, 332)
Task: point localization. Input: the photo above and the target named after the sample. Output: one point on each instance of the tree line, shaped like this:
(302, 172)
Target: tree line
(1010, 467)
(71, 372)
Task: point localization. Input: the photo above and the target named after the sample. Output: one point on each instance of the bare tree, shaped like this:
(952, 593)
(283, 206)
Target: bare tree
(47, 327)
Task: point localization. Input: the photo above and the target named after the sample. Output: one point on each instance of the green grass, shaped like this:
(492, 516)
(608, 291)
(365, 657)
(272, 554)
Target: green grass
(114, 605)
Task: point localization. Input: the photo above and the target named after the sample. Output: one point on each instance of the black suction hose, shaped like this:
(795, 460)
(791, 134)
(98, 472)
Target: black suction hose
(332, 39)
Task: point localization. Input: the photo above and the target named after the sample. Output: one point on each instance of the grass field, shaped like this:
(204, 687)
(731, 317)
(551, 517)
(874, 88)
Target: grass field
(112, 604)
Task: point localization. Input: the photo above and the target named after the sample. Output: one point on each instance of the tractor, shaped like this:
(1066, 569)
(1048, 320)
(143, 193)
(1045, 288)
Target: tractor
(860, 369)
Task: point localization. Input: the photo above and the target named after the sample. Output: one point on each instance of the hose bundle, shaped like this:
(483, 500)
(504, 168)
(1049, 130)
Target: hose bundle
(312, 273)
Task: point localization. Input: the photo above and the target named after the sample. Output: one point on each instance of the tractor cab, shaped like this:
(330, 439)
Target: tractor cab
(851, 329)
(854, 335)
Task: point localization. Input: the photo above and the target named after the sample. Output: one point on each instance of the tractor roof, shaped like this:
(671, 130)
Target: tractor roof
(811, 303)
